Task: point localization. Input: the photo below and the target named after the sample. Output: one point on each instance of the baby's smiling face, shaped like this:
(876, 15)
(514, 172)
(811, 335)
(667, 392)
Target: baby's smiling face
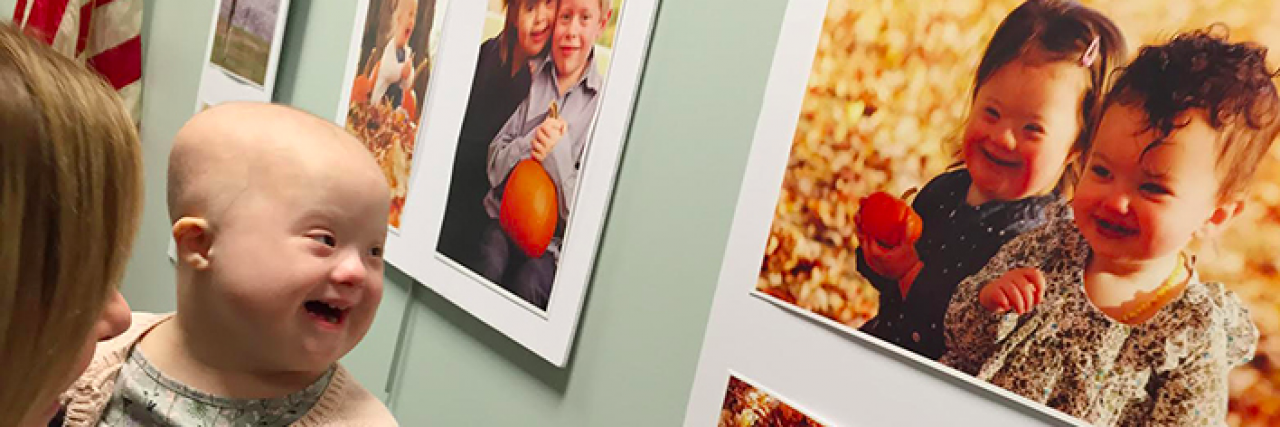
(295, 263)
(405, 19)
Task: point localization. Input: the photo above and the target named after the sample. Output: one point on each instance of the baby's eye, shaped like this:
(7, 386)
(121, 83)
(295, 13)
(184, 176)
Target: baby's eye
(376, 252)
(1035, 128)
(1100, 172)
(991, 113)
(326, 239)
(1154, 189)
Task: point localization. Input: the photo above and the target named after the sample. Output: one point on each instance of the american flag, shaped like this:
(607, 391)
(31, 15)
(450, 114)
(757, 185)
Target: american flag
(105, 35)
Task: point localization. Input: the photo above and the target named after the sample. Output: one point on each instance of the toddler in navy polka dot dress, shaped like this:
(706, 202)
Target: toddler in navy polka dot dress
(1036, 92)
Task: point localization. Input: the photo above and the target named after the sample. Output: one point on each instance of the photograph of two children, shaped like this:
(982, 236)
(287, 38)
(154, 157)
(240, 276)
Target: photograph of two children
(535, 92)
(1075, 201)
(537, 86)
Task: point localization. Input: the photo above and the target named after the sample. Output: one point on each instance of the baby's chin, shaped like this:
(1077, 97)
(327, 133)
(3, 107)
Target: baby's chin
(318, 358)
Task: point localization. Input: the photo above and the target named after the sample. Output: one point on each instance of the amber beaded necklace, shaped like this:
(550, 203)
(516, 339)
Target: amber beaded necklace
(1181, 275)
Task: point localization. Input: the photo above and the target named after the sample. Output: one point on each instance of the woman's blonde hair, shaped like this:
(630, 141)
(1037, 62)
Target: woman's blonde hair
(70, 198)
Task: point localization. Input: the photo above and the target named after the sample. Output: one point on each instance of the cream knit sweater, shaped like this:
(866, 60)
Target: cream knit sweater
(344, 402)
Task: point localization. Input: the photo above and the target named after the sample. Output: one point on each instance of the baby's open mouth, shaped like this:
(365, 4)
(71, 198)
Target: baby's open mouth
(1115, 229)
(323, 311)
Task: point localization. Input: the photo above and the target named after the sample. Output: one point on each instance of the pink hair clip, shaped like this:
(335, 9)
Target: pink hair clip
(1091, 53)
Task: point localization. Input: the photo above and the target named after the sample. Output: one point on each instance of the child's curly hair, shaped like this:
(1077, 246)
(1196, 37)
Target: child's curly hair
(1229, 82)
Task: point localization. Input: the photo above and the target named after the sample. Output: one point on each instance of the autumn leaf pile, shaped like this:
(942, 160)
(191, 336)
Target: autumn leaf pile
(747, 406)
(389, 134)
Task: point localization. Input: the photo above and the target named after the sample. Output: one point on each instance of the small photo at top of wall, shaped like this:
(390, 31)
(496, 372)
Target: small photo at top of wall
(243, 37)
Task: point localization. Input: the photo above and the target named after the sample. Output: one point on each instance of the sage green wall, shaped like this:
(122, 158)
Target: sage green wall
(650, 296)
(642, 328)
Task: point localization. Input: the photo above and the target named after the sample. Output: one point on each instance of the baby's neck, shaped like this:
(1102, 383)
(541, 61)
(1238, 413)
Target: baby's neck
(180, 351)
(1133, 270)
(1119, 287)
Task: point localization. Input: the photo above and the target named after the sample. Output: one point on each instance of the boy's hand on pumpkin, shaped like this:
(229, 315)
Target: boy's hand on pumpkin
(1019, 290)
(546, 137)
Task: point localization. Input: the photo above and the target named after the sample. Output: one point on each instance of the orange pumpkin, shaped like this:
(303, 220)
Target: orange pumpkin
(360, 89)
(529, 208)
(888, 219)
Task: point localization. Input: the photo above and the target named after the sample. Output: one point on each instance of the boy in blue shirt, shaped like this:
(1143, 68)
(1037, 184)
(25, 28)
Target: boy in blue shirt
(569, 79)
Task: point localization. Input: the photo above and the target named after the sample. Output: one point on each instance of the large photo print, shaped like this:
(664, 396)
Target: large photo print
(538, 84)
(985, 200)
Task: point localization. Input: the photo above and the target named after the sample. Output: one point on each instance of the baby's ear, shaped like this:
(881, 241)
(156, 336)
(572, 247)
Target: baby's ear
(193, 238)
(1221, 217)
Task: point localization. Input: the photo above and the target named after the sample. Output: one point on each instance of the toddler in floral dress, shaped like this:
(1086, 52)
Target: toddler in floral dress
(1103, 316)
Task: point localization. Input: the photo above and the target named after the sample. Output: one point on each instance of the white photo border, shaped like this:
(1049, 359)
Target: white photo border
(412, 249)
(218, 85)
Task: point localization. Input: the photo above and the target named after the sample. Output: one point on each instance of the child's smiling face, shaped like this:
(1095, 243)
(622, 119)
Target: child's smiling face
(295, 263)
(1021, 130)
(578, 25)
(1137, 206)
(533, 25)
(405, 20)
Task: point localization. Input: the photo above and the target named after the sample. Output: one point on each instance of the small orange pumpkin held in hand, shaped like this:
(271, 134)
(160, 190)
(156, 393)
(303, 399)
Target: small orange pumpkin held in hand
(529, 208)
(888, 219)
(361, 89)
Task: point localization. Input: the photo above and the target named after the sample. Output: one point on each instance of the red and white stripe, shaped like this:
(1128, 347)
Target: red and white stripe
(105, 35)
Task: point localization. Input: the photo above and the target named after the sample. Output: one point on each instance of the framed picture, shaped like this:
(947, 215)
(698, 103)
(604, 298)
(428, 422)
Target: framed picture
(389, 69)
(746, 404)
(866, 97)
(525, 128)
(243, 52)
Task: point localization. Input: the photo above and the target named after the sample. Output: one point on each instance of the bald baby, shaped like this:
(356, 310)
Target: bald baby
(229, 148)
(279, 220)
